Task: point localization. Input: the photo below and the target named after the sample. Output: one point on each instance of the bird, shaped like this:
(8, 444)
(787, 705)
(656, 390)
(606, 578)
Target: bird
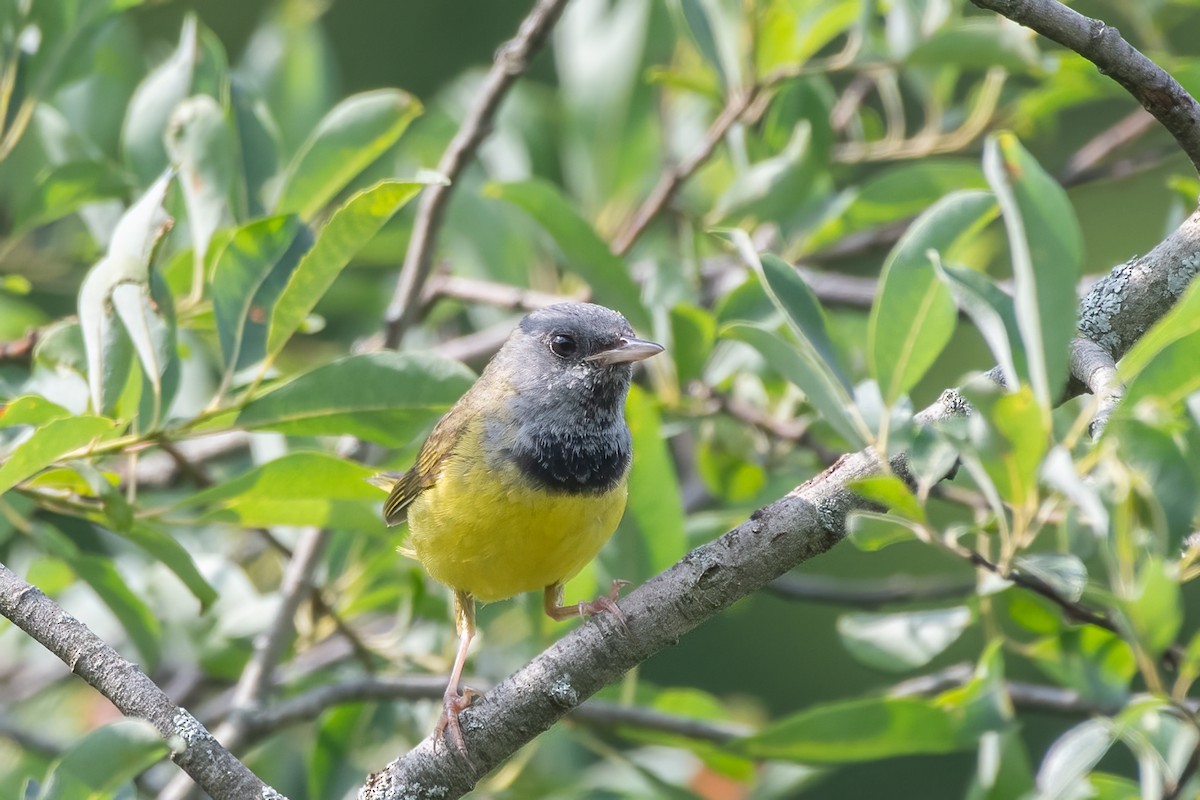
(525, 478)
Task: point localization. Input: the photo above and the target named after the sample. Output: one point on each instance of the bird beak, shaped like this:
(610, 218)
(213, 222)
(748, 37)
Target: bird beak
(628, 351)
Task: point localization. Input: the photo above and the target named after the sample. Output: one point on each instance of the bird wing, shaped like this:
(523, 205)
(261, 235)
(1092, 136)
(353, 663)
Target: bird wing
(424, 472)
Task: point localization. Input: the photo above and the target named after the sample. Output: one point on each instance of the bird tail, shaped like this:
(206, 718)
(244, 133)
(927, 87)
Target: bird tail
(385, 480)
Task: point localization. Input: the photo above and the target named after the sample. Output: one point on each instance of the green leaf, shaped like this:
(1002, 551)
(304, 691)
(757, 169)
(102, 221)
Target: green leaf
(1160, 367)
(1155, 609)
(48, 443)
(395, 396)
(654, 500)
(347, 140)
(867, 729)
(65, 188)
(892, 493)
(1094, 662)
(104, 761)
(902, 641)
(869, 531)
(585, 252)
(795, 300)
(173, 556)
(1003, 768)
(153, 339)
(257, 147)
(152, 103)
(245, 265)
(1164, 477)
(896, 194)
(30, 409)
(1074, 754)
(350, 228)
(801, 366)
(693, 333)
(1047, 247)
(698, 25)
(136, 235)
(200, 143)
(991, 311)
(980, 44)
(913, 316)
(1007, 433)
(1062, 572)
(135, 616)
(303, 488)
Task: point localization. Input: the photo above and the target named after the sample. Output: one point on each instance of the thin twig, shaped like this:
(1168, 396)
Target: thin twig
(1124, 131)
(510, 63)
(491, 293)
(202, 757)
(1102, 44)
(19, 351)
(868, 593)
(311, 704)
(258, 675)
(674, 177)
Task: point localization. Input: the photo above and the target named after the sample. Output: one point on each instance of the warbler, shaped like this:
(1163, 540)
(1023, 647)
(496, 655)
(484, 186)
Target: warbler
(525, 478)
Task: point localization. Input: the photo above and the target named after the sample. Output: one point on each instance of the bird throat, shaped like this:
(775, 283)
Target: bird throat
(573, 448)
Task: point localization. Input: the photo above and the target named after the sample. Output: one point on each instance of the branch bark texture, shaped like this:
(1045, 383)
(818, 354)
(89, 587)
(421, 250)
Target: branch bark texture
(200, 755)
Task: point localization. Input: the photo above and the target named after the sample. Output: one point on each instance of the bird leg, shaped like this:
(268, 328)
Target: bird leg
(552, 602)
(455, 700)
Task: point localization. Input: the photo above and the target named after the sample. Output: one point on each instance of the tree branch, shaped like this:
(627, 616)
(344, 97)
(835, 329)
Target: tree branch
(511, 61)
(210, 765)
(258, 676)
(1102, 44)
(803, 524)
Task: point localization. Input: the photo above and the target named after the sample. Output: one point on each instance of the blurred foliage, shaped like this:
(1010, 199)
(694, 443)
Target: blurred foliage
(203, 232)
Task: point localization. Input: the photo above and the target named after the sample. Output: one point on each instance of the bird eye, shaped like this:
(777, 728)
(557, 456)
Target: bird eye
(562, 345)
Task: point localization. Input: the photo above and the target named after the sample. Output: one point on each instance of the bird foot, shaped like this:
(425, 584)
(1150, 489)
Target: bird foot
(454, 702)
(605, 603)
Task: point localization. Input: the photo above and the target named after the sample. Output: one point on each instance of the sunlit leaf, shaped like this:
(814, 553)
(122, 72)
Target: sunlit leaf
(1074, 754)
(1047, 248)
(348, 139)
(48, 443)
(301, 488)
(902, 641)
(891, 493)
(654, 500)
(151, 105)
(126, 263)
(350, 228)
(979, 43)
(913, 316)
(262, 252)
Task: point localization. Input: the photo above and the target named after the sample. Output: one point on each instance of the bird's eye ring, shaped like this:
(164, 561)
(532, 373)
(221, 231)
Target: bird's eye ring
(562, 345)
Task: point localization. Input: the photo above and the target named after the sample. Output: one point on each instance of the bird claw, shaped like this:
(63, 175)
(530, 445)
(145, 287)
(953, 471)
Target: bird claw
(454, 702)
(606, 603)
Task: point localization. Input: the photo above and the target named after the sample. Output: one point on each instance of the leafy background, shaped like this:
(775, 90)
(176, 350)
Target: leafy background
(295, 159)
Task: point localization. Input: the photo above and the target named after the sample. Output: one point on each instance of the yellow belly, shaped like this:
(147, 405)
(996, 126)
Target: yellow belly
(479, 531)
